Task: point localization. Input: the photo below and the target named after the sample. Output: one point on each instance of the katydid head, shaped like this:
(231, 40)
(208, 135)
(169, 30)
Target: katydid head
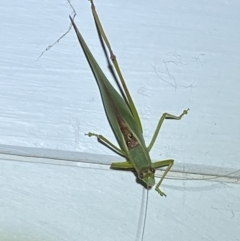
(147, 176)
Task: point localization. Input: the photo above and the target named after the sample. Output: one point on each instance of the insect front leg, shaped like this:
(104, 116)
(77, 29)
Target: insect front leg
(164, 116)
(159, 164)
(107, 143)
(121, 165)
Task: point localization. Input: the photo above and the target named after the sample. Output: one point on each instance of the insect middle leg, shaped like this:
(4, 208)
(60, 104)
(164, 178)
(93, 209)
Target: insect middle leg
(107, 143)
(164, 116)
(115, 165)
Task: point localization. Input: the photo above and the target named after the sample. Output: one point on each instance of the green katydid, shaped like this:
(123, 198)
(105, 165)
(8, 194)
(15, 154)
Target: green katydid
(123, 117)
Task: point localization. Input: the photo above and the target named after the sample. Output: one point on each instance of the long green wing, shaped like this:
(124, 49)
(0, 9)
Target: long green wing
(113, 103)
(117, 68)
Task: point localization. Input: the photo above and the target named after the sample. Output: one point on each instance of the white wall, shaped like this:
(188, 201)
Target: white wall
(174, 55)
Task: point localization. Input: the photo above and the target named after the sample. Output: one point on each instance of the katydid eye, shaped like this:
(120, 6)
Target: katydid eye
(130, 135)
(140, 175)
(152, 170)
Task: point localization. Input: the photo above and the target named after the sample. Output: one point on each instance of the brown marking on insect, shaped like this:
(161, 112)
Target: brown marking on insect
(129, 138)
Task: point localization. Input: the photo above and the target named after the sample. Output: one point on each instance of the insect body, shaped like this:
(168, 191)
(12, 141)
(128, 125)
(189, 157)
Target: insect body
(123, 117)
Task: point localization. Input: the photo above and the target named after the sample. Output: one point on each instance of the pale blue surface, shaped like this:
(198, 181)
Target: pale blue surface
(53, 101)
